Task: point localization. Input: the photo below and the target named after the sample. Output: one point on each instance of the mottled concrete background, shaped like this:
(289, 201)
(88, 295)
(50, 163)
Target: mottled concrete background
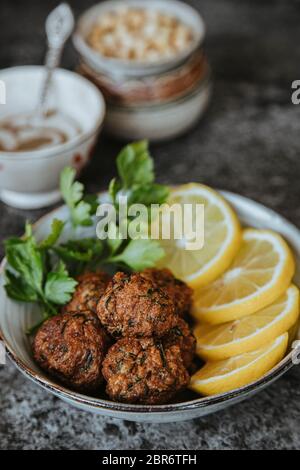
(248, 143)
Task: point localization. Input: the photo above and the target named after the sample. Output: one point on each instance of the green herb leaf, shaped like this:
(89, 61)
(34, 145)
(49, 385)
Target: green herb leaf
(113, 189)
(81, 255)
(57, 227)
(149, 194)
(135, 166)
(59, 287)
(136, 177)
(81, 214)
(140, 254)
(72, 192)
(93, 201)
(29, 275)
(84, 249)
(19, 290)
(24, 257)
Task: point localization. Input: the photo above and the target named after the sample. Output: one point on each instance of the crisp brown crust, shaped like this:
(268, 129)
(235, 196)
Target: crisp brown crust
(182, 336)
(144, 371)
(72, 347)
(176, 289)
(133, 305)
(90, 288)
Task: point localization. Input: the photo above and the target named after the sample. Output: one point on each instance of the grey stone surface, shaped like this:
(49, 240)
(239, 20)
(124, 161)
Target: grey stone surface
(248, 143)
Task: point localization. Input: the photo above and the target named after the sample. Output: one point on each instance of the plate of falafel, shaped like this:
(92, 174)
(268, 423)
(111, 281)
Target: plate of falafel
(127, 333)
(100, 325)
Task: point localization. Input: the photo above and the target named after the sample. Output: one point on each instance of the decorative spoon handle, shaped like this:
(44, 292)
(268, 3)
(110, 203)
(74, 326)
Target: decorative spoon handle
(59, 26)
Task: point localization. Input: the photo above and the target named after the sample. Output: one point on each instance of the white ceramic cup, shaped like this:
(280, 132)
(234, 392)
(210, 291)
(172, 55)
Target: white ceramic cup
(30, 180)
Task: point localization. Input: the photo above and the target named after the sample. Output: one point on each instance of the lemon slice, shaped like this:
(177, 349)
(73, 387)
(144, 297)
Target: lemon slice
(293, 332)
(235, 372)
(222, 237)
(260, 273)
(216, 342)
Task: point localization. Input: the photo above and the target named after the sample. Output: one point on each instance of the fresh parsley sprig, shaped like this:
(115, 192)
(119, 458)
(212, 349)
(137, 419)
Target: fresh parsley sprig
(81, 207)
(136, 181)
(136, 177)
(138, 255)
(86, 254)
(32, 277)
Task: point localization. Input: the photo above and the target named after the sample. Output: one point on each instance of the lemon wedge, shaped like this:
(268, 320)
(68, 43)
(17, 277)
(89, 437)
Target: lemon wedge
(223, 376)
(216, 342)
(222, 237)
(260, 273)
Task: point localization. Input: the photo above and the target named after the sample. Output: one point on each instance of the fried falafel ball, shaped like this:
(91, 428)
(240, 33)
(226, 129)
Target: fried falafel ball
(144, 371)
(176, 289)
(91, 286)
(182, 335)
(134, 306)
(72, 347)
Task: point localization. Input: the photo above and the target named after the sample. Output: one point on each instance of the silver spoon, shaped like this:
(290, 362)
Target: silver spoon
(59, 26)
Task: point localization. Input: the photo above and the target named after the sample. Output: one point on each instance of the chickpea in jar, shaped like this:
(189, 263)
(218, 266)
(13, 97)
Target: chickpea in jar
(139, 34)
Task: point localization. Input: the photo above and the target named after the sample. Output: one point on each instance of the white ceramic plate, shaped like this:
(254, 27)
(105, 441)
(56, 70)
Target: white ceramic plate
(15, 318)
